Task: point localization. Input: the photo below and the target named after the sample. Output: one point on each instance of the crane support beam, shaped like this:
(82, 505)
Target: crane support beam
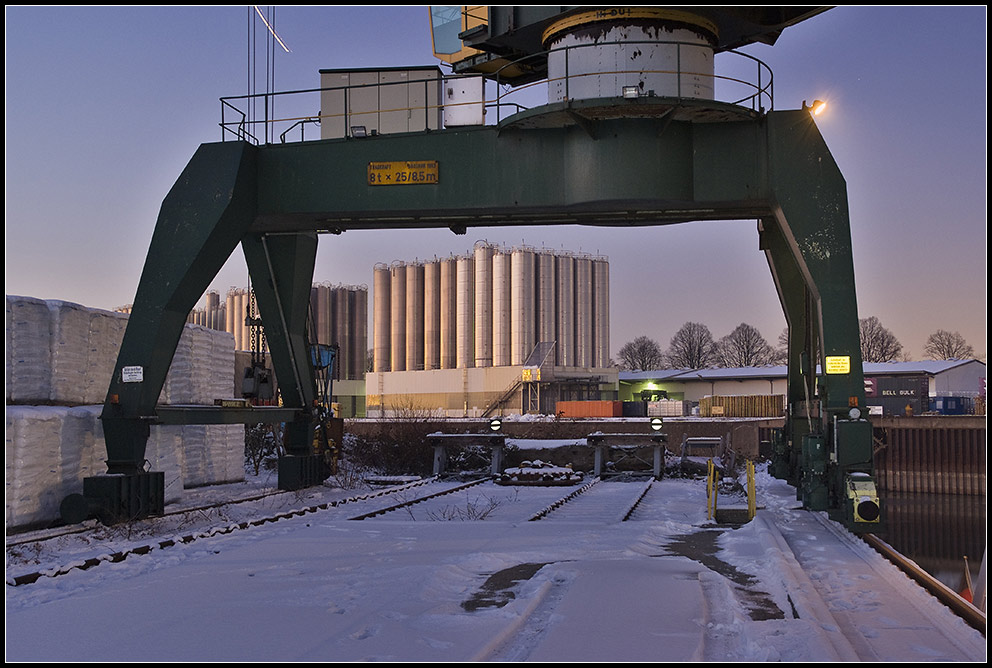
(633, 171)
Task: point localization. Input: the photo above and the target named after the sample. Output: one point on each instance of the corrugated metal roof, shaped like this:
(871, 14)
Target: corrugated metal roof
(928, 367)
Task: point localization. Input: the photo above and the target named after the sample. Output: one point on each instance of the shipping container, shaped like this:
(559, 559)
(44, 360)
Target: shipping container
(635, 409)
(757, 405)
(583, 409)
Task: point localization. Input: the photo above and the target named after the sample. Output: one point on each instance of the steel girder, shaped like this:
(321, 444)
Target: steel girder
(272, 199)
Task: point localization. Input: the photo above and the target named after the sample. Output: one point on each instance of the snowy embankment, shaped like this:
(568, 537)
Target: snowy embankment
(668, 585)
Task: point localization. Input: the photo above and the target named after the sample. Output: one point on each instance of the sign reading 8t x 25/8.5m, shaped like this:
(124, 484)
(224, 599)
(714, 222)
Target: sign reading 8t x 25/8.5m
(403, 173)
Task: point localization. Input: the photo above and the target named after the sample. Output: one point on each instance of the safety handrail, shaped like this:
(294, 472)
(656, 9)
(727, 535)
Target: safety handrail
(237, 121)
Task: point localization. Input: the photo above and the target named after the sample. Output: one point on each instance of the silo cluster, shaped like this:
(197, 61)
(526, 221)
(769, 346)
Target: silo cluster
(340, 318)
(236, 315)
(491, 307)
(212, 315)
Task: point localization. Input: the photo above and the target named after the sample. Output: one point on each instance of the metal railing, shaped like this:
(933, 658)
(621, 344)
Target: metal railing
(252, 118)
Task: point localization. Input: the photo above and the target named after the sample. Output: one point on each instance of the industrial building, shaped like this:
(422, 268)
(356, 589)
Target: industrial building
(494, 331)
(891, 388)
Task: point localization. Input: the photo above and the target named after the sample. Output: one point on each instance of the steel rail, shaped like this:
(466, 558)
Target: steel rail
(968, 612)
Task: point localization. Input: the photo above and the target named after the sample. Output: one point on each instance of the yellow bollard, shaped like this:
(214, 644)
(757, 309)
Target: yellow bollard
(752, 507)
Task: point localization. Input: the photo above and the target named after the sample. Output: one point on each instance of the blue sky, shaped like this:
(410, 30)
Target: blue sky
(105, 106)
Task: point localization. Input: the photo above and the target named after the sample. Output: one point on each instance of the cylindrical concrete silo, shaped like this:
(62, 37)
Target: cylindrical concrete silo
(381, 311)
(239, 321)
(323, 314)
(546, 316)
(465, 309)
(583, 311)
(449, 313)
(483, 305)
(501, 309)
(397, 316)
(522, 330)
(358, 331)
(565, 295)
(339, 333)
(229, 313)
(415, 317)
(432, 315)
(601, 312)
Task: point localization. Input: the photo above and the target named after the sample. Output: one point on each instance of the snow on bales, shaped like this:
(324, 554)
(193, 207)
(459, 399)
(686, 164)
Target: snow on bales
(59, 361)
(64, 354)
(213, 454)
(28, 350)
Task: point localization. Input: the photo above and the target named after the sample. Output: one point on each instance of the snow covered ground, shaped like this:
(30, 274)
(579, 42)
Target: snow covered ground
(788, 586)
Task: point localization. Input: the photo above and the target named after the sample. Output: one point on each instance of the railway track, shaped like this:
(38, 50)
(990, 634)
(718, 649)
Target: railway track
(82, 547)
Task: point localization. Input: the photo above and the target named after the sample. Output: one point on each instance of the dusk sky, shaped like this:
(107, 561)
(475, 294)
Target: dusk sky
(106, 105)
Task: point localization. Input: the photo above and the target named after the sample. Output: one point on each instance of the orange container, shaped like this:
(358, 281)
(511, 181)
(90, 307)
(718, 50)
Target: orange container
(584, 409)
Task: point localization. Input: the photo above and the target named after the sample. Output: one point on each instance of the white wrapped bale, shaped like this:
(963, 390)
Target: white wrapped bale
(83, 450)
(178, 387)
(33, 475)
(106, 331)
(214, 454)
(70, 345)
(165, 452)
(29, 353)
(195, 455)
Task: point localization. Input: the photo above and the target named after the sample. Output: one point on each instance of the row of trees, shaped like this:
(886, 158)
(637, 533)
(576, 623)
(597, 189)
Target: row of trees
(693, 347)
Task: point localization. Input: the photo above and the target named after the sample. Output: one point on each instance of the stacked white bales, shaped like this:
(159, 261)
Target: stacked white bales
(59, 360)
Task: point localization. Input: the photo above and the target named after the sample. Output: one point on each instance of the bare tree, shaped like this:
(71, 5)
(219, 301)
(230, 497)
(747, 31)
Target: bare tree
(743, 347)
(692, 347)
(641, 354)
(944, 345)
(877, 343)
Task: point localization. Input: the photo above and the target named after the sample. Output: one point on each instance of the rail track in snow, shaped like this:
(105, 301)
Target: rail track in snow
(78, 547)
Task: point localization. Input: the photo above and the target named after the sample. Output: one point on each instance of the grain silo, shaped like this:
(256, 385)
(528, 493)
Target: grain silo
(501, 308)
(397, 316)
(482, 316)
(432, 315)
(465, 312)
(381, 311)
(359, 331)
(483, 304)
(565, 307)
(583, 311)
(415, 316)
(448, 335)
(522, 326)
(546, 316)
(601, 312)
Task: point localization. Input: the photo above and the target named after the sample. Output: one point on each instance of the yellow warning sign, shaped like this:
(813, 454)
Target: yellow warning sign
(838, 364)
(403, 173)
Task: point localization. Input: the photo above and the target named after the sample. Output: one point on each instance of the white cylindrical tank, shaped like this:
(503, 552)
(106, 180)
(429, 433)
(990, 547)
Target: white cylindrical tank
(659, 52)
(324, 314)
(565, 307)
(432, 315)
(465, 307)
(397, 316)
(546, 316)
(358, 331)
(339, 334)
(229, 313)
(448, 335)
(601, 312)
(583, 311)
(381, 311)
(501, 309)
(415, 317)
(522, 290)
(239, 321)
(483, 305)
